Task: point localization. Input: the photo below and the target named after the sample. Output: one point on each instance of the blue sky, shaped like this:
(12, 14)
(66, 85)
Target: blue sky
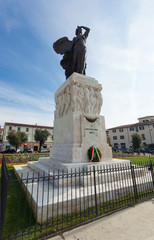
(120, 55)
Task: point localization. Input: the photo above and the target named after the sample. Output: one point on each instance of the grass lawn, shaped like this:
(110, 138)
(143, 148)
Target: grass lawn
(16, 206)
(139, 160)
(19, 219)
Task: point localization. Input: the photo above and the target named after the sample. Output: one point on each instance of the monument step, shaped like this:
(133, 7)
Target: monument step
(25, 172)
(43, 169)
(61, 174)
(69, 167)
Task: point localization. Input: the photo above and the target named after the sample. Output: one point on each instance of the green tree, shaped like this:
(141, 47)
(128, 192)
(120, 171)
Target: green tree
(136, 141)
(41, 136)
(16, 139)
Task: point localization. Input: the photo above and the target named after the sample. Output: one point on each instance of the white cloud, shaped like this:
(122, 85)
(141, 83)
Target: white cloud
(12, 24)
(141, 35)
(116, 58)
(34, 100)
(22, 115)
(8, 21)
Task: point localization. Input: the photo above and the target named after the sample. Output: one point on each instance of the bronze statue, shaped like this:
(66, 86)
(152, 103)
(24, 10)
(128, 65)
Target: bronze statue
(74, 52)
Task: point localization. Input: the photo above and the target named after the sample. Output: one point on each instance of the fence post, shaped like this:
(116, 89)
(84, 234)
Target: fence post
(3, 197)
(95, 191)
(134, 181)
(151, 169)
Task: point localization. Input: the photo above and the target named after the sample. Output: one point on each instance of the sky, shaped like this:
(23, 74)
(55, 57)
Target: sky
(120, 55)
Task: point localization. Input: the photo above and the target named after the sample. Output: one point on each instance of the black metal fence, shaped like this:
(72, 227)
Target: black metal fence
(38, 206)
(3, 197)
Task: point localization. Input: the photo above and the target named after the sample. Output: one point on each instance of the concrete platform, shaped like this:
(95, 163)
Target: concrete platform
(53, 195)
(47, 165)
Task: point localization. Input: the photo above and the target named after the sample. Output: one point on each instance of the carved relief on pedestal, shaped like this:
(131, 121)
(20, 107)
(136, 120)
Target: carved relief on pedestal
(78, 97)
(86, 100)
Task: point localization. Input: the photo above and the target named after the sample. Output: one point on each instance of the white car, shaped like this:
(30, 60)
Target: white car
(45, 150)
(18, 151)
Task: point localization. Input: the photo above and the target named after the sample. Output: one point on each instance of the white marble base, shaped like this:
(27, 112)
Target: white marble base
(77, 123)
(44, 168)
(48, 200)
(76, 135)
(50, 165)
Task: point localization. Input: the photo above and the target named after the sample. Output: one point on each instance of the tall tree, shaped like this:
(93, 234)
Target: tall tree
(136, 141)
(16, 139)
(41, 136)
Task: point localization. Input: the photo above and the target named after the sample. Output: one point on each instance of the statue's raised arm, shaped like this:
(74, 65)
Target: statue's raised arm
(74, 52)
(87, 30)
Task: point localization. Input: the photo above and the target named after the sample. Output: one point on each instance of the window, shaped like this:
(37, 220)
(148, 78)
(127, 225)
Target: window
(131, 128)
(120, 129)
(10, 128)
(116, 145)
(18, 129)
(136, 129)
(123, 145)
(114, 130)
(27, 129)
(141, 127)
(114, 137)
(143, 136)
(121, 137)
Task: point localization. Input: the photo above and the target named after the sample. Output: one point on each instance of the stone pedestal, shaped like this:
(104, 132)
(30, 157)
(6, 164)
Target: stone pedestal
(74, 133)
(78, 124)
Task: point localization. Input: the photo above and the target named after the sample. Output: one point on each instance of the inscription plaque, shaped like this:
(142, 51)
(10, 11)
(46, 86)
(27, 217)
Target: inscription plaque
(91, 128)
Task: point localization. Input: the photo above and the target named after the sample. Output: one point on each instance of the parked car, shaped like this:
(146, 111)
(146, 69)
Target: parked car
(29, 150)
(44, 150)
(142, 151)
(18, 151)
(9, 151)
(149, 150)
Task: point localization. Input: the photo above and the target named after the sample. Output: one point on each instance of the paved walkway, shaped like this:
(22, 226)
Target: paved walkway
(134, 223)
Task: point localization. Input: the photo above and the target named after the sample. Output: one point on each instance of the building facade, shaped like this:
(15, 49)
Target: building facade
(30, 132)
(121, 136)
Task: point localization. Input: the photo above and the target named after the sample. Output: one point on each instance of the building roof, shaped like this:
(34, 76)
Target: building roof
(133, 125)
(27, 125)
(146, 117)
